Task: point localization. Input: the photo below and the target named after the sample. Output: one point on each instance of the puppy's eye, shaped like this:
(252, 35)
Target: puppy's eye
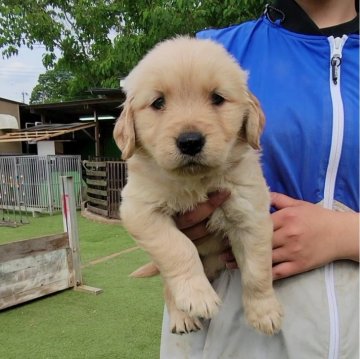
(159, 103)
(217, 99)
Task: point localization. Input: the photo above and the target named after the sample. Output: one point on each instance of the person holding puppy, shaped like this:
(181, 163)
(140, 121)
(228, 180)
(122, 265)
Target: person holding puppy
(303, 63)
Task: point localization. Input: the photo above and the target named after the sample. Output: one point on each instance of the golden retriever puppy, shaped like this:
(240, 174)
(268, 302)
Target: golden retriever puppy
(189, 127)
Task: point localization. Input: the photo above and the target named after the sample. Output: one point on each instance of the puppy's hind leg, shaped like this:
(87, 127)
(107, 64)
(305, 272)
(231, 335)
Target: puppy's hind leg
(253, 252)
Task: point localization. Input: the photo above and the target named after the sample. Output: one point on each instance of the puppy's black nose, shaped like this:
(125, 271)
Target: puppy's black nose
(190, 143)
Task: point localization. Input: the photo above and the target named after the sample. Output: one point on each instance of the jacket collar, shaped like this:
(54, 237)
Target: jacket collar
(293, 18)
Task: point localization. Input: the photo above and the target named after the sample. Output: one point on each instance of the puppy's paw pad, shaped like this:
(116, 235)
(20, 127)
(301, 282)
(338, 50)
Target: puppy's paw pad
(197, 298)
(265, 316)
(182, 323)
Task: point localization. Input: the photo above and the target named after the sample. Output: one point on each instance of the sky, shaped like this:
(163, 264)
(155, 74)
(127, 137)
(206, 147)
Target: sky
(19, 74)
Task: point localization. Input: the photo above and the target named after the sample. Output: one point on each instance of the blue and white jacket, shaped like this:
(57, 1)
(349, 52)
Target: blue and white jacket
(309, 91)
(308, 86)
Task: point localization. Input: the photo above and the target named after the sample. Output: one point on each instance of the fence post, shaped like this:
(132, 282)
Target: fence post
(70, 226)
(70, 223)
(48, 182)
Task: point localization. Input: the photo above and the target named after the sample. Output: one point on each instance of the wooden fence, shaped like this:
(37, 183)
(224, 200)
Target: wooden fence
(32, 268)
(105, 180)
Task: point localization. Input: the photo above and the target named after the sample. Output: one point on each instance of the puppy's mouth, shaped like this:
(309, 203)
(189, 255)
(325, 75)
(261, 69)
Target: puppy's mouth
(190, 165)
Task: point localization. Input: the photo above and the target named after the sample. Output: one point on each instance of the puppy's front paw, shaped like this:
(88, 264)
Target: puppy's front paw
(265, 314)
(182, 323)
(196, 297)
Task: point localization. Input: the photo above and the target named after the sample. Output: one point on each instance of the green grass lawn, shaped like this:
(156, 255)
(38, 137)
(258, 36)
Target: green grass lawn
(122, 322)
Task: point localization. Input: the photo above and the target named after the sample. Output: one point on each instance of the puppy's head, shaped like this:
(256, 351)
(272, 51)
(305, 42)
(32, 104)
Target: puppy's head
(188, 107)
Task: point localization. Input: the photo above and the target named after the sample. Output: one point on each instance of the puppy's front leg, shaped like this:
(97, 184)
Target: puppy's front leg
(180, 322)
(175, 256)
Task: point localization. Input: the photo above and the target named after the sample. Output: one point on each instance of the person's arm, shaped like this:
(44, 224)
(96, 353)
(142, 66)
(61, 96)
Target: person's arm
(306, 236)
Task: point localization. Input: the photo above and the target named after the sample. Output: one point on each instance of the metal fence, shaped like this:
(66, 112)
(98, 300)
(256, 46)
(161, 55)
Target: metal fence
(32, 183)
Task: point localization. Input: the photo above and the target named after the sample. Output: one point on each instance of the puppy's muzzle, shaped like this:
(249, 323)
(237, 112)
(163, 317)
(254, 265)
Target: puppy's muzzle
(190, 143)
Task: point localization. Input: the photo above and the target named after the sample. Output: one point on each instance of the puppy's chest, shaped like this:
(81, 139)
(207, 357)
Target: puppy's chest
(183, 201)
(219, 221)
(186, 198)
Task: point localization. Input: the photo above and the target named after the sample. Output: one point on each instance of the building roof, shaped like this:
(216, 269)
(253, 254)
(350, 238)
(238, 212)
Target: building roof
(70, 111)
(11, 101)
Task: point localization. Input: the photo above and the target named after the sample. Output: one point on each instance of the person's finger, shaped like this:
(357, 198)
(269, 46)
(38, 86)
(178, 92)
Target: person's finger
(227, 256)
(279, 238)
(197, 231)
(280, 255)
(283, 270)
(277, 219)
(231, 265)
(279, 200)
(202, 210)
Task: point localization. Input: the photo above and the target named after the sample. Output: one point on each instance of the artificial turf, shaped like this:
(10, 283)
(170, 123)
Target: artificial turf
(122, 322)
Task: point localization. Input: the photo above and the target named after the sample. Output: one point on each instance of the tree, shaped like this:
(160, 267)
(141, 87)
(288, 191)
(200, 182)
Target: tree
(52, 85)
(101, 40)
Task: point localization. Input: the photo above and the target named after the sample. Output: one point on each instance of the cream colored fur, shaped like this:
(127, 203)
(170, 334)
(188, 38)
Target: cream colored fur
(163, 182)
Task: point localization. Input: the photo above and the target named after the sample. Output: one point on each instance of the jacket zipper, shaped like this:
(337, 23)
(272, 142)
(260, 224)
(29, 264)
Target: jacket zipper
(336, 46)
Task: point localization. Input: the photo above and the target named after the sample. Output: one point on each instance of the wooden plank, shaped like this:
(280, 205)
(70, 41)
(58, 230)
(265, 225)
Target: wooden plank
(70, 263)
(21, 274)
(34, 293)
(70, 224)
(21, 249)
(101, 202)
(96, 173)
(101, 212)
(38, 135)
(23, 279)
(95, 164)
(17, 139)
(88, 289)
(100, 183)
(49, 135)
(97, 191)
(56, 258)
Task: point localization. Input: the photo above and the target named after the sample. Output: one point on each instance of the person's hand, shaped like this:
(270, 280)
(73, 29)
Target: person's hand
(307, 236)
(193, 223)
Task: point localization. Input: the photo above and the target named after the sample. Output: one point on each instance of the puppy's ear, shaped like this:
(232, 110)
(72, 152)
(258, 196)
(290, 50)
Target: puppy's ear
(254, 121)
(124, 131)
